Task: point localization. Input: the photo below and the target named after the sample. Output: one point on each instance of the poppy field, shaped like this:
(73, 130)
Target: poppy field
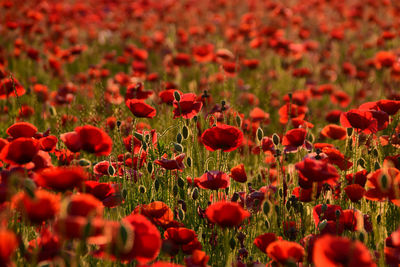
(238, 133)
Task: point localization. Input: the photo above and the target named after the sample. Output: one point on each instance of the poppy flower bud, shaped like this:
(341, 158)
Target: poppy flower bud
(324, 207)
(177, 96)
(179, 138)
(124, 193)
(235, 197)
(181, 182)
(232, 243)
(175, 190)
(275, 139)
(260, 134)
(53, 111)
(181, 215)
(361, 237)
(185, 132)
(195, 118)
(238, 120)
(142, 189)
(119, 124)
(377, 166)
(361, 162)
(349, 131)
(84, 162)
(30, 187)
(267, 224)
(322, 225)
(111, 170)
(267, 208)
(156, 185)
(178, 147)
(338, 213)
(378, 219)
(150, 167)
(195, 193)
(189, 161)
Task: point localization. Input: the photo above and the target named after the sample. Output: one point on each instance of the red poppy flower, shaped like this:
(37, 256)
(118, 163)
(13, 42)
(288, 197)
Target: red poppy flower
(362, 120)
(226, 214)
(140, 109)
(107, 193)
(61, 178)
(8, 245)
(187, 107)
(48, 143)
(311, 170)
(360, 178)
(340, 251)
(392, 249)
(21, 129)
(295, 112)
(10, 88)
(88, 138)
(224, 137)
(259, 115)
(295, 138)
(102, 167)
(327, 218)
(333, 116)
(262, 241)
(203, 53)
(167, 96)
(335, 157)
(158, 212)
(238, 173)
(384, 59)
(384, 184)
(391, 107)
(334, 131)
(78, 227)
(136, 91)
(173, 164)
(44, 206)
(284, 252)
(306, 194)
(20, 151)
(355, 192)
(147, 242)
(198, 259)
(181, 237)
(213, 180)
(84, 205)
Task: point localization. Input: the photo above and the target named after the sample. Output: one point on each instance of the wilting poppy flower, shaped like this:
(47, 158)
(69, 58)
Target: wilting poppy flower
(213, 180)
(173, 164)
(21, 129)
(355, 192)
(262, 241)
(295, 138)
(334, 131)
(238, 173)
(284, 252)
(362, 120)
(340, 251)
(84, 205)
(224, 137)
(8, 245)
(158, 212)
(61, 178)
(20, 151)
(187, 107)
(147, 240)
(226, 214)
(140, 109)
(88, 138)
(42, 207)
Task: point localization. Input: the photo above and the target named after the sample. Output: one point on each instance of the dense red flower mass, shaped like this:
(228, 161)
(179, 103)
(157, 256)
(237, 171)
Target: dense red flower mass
(140, 109)
(340, 251)
(187, 107)
(224, 137)
(213, 180)
(226, 214)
